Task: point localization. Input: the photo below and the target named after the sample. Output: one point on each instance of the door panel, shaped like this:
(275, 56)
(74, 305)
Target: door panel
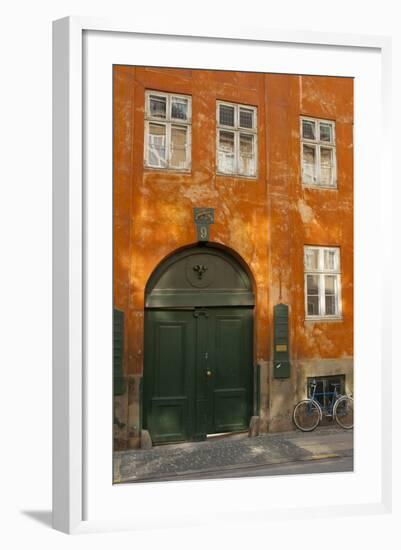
(169, 375)
(230, 410)
(229, 351)
(232, 386)
(167, 419)
(170, 350)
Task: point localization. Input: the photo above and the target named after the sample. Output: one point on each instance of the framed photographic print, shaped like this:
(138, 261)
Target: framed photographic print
(233, 284)
(218, 306)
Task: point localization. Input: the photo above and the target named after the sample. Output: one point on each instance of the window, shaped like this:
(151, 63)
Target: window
(322, 282)
(318, 152)
(236, 139)
(167, 131)
(325, 388)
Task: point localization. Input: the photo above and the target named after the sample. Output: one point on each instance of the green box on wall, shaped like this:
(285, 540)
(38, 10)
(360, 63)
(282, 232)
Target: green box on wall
(281, 354)
(118, 352)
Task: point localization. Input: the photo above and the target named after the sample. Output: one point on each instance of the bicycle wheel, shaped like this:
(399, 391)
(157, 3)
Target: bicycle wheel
(307, 415)
(343, 412)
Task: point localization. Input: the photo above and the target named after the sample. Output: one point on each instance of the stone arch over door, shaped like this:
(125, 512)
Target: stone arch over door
(198, 358)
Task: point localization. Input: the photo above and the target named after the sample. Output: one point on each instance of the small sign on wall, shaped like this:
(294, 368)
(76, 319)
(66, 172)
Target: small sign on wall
(281, 347)
(203, 218)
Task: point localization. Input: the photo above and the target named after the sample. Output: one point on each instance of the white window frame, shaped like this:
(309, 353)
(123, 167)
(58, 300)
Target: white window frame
(317, 143)
(169, 122)
(321, 272)
(237, 130)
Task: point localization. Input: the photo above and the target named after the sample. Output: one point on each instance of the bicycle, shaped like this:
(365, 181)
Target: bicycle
(309, 412)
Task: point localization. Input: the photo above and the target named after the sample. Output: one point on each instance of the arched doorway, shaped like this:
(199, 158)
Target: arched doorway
(198, 358)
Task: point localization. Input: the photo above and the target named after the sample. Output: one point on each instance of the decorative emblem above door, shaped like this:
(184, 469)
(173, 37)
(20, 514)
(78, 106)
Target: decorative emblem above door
(200, 270)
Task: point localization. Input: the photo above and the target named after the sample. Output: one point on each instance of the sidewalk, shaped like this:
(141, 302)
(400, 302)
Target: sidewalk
(236, 454)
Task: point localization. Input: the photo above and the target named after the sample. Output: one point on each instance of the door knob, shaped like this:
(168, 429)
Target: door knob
(208, 373)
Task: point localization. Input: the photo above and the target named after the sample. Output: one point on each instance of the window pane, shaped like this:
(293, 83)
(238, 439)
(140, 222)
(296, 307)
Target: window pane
(246, 118)
(325, 132)
(330, 259)
(247, 154)
(226, 115)
(308, 129)
(178, 147)
(311, 259)
(308, 164)
(226, 152)
(158, 106)
(157, 145)
(330, 292)
(326, 166)
(329, 284)
(312, 282)
(312, 291)
(313, 305)
(246, 144)
(330, 305)
(179, 108)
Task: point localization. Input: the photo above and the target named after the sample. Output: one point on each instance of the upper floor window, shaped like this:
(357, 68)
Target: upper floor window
(236, 139)
(167, 131)
(322, 282)
(318, 152)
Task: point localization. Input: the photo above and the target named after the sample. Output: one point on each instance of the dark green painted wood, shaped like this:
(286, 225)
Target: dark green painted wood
(198, 373)
(118, 352)
(232, 358)
(198, 299)
(169, 375)
(201, 276)
(183, 402)
(281, 361)
(202, 353)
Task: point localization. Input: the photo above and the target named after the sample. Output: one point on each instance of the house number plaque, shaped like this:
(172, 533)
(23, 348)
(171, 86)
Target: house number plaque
(203, 218)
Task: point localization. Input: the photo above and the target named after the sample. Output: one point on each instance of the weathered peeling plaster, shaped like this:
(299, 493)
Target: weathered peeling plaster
(305, 211)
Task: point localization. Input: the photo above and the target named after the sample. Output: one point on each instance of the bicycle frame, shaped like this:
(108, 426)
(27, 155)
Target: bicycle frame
(313, 400)
(327, 410)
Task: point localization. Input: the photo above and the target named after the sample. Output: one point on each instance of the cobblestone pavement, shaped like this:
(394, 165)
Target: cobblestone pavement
(231, 454)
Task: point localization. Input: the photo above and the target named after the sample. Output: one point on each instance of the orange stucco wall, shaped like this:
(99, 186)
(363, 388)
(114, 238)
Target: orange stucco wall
(266, 220)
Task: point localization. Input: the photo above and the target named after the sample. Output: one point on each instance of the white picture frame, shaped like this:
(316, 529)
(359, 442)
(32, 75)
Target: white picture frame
(77, 507)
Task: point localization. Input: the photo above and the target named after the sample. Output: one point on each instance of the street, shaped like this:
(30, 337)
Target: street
(318, 466)
(327, 449)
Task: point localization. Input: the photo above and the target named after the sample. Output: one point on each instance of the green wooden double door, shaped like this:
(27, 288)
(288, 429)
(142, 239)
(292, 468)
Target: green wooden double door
(198, 372)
